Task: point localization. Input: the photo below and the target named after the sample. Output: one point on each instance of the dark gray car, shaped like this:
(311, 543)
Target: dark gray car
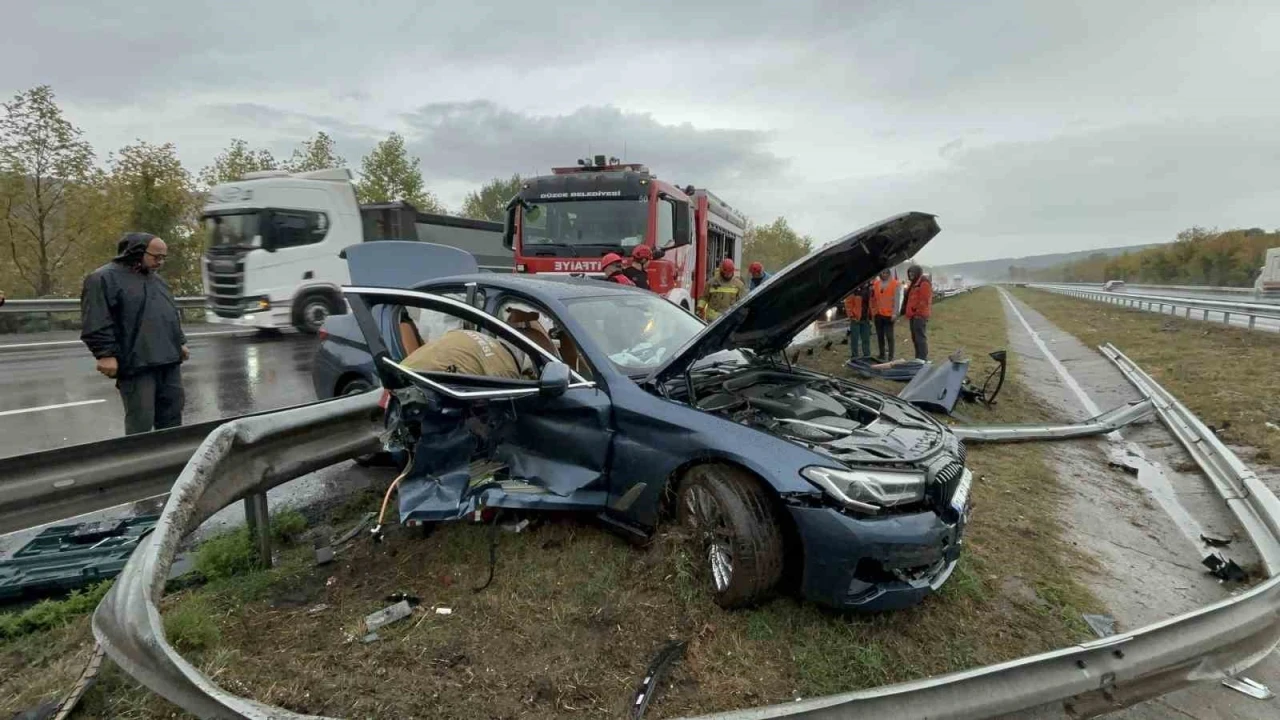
(637, 412)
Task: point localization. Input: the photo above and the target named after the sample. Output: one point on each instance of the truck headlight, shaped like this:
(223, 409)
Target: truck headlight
(867, 490)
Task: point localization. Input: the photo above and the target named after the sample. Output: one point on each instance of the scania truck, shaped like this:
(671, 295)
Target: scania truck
(272, 244)
(563, 223)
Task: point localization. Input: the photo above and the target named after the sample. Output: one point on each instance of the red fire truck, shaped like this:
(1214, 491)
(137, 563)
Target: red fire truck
(563, 223)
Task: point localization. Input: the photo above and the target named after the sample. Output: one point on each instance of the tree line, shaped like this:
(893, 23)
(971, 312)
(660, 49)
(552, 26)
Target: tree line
(62, 211)
(1199, 256)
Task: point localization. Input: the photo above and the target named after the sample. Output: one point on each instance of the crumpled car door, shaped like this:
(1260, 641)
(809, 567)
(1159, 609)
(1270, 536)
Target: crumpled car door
(450, 420)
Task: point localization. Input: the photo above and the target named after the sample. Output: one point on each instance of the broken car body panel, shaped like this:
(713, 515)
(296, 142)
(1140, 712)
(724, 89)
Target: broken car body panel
(616, 444)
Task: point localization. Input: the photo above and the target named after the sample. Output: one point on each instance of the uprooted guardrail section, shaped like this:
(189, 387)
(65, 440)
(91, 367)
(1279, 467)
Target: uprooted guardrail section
(250, 455)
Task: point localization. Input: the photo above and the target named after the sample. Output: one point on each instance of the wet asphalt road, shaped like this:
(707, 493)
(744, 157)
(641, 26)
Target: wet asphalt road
(228, 375)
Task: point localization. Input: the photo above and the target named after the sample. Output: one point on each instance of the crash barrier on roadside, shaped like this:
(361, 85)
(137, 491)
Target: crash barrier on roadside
(1222, 310)
(1252, 503)
(250, 455)
(51, 306)
(1100, 425)
(239, 459)
(52, 485)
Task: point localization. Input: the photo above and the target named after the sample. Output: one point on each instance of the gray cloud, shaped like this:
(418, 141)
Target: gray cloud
(480, 140)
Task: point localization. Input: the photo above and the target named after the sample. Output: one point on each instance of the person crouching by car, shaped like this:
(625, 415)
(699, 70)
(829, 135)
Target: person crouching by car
(611, 266)
(638, 272)
(758, 276)
(916, 306)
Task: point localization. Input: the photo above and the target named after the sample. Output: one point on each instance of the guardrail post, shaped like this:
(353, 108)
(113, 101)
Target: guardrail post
(1188, 312)
(259, 524)
(1252, 320)
(1206, 316)
(1226, 318)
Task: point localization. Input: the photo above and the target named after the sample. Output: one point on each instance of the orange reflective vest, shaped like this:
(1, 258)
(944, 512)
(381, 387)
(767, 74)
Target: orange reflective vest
(853, 307)
(885, 296)
(919, 299)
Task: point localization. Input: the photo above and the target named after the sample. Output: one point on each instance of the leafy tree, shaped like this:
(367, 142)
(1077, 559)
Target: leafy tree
(490, 201)
(1198, 256)
(387, 174)
(775, 245)
(155, 194)
(234, 162)
(48, 189)
(318, 153)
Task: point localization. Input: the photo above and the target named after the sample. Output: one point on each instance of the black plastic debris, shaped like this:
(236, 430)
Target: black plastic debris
(1224, 569)
(655, 674)
(986, 394)
(70, 556)
(395, 597)
(1215, 540)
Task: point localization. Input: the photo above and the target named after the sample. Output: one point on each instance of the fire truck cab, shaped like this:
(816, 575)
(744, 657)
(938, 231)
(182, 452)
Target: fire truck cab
(563, 223)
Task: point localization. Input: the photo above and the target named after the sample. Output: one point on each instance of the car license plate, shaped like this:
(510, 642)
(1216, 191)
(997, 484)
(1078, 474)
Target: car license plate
(961, 496)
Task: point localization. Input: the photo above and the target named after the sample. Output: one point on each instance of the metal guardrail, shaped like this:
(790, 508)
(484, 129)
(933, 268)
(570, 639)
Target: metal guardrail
(51, 485)
(51, 306)
(246, 457)
(1224, 310)
(1181, 288)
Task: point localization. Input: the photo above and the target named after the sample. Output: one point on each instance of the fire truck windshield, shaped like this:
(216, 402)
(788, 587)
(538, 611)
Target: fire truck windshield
(581, 223)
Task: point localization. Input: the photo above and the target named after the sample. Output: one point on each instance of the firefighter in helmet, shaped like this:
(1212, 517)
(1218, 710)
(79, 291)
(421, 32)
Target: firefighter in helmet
(638, 270)
(723, 290)
(611, 266)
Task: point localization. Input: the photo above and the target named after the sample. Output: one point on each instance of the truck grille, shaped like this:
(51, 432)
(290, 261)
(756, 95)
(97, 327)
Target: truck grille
(226, 284)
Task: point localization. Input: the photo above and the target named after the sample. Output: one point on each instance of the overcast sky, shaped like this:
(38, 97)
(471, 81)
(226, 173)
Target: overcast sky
(1028, 127)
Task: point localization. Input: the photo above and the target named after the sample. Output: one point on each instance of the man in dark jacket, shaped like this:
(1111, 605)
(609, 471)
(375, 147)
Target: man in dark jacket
(131, 324)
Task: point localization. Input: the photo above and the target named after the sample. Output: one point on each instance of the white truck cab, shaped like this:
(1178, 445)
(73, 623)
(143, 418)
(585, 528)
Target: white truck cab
(1268, 282)
(272, 244)
(271, 248)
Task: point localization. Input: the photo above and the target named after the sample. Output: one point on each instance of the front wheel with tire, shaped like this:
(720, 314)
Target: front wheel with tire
(311, 313)
(736, 533)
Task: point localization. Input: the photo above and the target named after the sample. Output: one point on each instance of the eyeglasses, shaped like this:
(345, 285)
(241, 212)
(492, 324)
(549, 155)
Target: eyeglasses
(159, 257)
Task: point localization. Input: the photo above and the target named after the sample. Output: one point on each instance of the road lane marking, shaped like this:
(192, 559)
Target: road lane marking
(65, 343)
(50, 407)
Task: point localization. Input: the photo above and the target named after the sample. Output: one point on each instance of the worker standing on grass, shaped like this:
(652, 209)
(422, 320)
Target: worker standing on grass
(884, 293)
(858, 307)
(723, 291)
(916, 306)
(611, 265)
(131, 324)
(758, 275)
(638, 272)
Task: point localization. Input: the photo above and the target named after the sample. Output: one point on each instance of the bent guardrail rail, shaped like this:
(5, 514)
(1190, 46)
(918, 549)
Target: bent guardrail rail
(1104, 423)
(1250, 311)
(50, 485)
(72, 305)
(250, 455)
(240, 458)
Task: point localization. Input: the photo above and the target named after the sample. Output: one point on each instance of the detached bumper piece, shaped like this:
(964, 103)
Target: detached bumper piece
(67, 557)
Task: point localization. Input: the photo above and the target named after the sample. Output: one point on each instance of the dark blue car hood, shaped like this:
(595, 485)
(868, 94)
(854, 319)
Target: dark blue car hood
(799, 294)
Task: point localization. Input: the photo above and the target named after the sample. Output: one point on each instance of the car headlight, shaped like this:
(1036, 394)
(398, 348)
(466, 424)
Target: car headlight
(868, 490)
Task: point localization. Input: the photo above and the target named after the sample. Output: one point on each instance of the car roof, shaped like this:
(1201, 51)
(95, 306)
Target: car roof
(556, 287)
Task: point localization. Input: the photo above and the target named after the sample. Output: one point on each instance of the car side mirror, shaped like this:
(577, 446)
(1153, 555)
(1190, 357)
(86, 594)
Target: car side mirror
(554, 380)
(681, 225)
(509, 225)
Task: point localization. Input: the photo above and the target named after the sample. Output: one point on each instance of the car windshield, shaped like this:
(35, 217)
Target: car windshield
(639, 332)
(234, 230)
(612, 223)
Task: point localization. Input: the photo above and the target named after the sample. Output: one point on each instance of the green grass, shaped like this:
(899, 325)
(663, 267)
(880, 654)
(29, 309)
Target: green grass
(233, 553)
(50, 614)
(191, 626)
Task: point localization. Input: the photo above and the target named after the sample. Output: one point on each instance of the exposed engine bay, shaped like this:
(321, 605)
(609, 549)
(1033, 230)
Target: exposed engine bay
(850, 423)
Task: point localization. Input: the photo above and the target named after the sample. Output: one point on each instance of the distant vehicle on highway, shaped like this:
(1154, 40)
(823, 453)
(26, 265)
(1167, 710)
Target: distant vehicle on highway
(1113, 286)
(1268, 282)
(272, 241)
(342, 364)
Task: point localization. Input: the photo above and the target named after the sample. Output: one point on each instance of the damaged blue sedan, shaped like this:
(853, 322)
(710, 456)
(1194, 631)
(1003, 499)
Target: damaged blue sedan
(635, 411)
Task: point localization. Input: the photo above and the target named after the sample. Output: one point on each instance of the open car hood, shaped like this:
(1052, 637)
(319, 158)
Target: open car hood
(799, 294)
